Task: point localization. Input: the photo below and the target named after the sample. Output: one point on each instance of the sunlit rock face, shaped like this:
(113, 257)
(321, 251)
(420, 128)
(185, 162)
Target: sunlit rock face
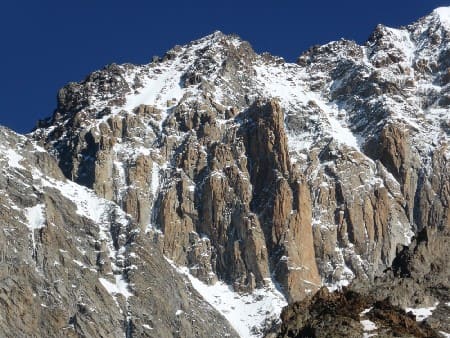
(226, 166)
(247, 168)
(76, 263)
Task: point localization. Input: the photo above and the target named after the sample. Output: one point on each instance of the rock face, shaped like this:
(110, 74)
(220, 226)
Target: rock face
(311, 173)
(246, 169)
(419, 281)
(76, 264)
(348, 314)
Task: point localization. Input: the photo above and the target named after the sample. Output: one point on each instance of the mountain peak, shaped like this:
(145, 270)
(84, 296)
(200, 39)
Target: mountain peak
(443, 14)
(216, 40)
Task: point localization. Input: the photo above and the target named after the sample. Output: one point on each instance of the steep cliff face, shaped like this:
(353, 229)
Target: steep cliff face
(75, 264)
(261, 173)
(245, 168)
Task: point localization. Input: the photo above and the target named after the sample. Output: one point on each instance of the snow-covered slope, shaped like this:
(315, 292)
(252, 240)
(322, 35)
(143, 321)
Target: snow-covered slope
(250, 314)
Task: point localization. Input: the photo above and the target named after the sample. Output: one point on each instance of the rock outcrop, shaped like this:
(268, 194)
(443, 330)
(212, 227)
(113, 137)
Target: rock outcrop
(74, 264)
(348, 314)
(411, 299)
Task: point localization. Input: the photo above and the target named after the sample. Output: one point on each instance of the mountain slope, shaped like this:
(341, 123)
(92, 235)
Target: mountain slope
(265, 175)
(75, 264)
(355, 139)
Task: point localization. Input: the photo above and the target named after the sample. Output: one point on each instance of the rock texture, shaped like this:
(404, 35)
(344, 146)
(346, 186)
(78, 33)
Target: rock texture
(311, 172)
(348, 314)
(76, 265)
(418, 283)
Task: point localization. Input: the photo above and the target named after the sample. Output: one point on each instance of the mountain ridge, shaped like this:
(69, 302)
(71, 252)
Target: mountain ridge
(259, 173)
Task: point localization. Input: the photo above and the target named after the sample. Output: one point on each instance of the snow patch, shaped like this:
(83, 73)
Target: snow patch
(247, 313)
(368, 325)
(88, 204)
(443, 13)
(80, 264)
(365, 311)
(14, 159)
(35, 220)
(342, 134)
(423, 312)
(155, 179)
(119, 287)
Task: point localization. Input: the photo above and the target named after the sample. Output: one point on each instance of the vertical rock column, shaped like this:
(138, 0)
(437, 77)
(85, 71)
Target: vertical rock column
(281, 200)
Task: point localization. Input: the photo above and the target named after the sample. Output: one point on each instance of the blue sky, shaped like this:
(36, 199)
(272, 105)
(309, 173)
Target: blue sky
(46, 43)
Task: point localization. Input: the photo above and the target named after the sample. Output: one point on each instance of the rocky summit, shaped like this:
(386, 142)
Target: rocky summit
(199, 194)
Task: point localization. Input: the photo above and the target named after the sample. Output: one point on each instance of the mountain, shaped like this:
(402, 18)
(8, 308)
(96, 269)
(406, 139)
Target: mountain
(196, 195)
(74, 264)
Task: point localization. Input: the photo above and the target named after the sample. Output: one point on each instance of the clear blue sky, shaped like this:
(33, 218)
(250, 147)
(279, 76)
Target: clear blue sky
(46, 43)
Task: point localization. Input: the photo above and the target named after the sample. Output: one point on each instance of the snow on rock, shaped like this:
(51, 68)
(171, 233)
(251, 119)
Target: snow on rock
(368, 325)
(155, 179)
(119, 287)
(14, 159)
(443, 13)
(162, 85)
(97, 209)
(35, 220)
(422, 313)
(247, 313)
(401, 40)
(286, 83)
